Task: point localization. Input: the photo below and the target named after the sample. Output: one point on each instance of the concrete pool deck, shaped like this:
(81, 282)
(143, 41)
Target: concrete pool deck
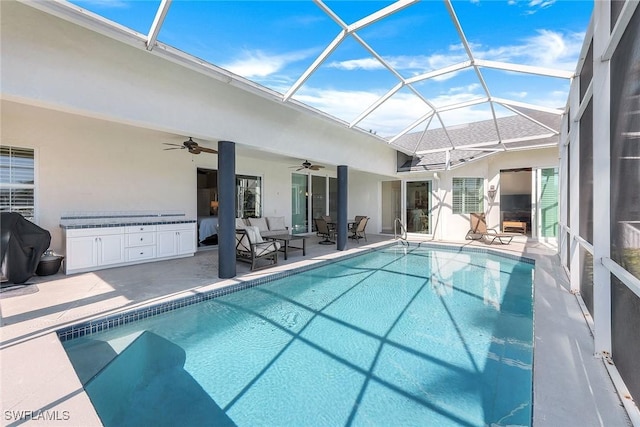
(40, 386)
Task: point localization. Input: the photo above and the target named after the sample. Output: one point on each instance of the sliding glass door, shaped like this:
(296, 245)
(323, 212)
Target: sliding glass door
(312, 197)
(391, 205)
(299, 203)
(547, 184)
(318, 199)
(418, 207)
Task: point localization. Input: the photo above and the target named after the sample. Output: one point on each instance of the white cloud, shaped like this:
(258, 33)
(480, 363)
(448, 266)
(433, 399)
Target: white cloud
(357, 64)
(541, 4)
(546, 48)
(396, 113)
(554, 99)
(533, 5)
(257, 64)
(521, 95)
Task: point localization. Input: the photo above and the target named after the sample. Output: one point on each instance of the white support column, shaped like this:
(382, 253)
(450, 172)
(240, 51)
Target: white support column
(601, 180)
(563, 195)
(574, 187)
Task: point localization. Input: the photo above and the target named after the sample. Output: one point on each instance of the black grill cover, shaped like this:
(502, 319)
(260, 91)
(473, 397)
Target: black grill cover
(22, 244)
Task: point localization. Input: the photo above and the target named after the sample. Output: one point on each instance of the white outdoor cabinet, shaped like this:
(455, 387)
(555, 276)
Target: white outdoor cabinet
(175, 240)
(140, 243)
(92, 248)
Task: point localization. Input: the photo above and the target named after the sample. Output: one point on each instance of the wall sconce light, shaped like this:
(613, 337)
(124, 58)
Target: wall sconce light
(492, 192)
(214, 206)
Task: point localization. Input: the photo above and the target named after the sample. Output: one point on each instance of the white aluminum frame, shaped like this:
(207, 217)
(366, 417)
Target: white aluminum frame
(605, 41)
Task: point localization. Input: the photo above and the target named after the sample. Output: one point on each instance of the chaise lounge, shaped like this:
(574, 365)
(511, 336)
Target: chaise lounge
(480, 231)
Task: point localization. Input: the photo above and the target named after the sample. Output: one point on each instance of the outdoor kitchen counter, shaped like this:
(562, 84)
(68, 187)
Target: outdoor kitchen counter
(123, 220)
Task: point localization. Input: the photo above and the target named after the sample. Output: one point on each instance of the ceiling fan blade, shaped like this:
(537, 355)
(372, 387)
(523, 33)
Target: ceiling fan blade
(174, 145)
(299, 169)
(207, 150)
(176, 148)
(315, 167)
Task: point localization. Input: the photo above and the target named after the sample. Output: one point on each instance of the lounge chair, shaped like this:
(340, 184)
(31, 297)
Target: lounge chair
(322, 229)
(250, 248)
(480, 231)
(358, 229)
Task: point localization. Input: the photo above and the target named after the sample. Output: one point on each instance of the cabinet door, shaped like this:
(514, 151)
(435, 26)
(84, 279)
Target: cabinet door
(81, 253)
(166, 243)
(111, 249)
(186, 241)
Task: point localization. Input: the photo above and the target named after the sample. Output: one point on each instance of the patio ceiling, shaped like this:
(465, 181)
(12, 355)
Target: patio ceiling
(443, 82)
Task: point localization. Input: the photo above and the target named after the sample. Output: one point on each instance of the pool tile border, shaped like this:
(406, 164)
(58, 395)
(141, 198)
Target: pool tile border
(115, 320)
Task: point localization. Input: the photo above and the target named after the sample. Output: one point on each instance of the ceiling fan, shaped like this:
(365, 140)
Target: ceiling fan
(307, 165)
(192, 146)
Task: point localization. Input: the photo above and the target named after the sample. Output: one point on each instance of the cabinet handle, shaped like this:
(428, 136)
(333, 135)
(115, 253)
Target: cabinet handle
(141, 253)
(141, 239)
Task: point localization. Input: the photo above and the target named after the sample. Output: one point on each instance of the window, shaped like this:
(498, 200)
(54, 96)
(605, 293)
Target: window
(249, 196)
(17, 181)
(468, 195)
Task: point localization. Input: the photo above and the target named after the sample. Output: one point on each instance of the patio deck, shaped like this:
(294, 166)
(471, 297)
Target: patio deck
(571, 386)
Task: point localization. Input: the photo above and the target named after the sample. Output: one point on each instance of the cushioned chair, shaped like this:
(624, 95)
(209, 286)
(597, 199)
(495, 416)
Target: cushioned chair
(358, 229)
(480, 231)
(330, 223)
(250, 248)
(322, 229)
(268, 226)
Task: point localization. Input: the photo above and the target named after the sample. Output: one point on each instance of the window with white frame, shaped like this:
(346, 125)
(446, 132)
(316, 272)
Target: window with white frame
(17, 186)
(468, 195)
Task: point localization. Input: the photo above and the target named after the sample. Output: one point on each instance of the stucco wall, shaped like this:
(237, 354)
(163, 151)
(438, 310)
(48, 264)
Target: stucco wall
(455, 227)
(47, 61)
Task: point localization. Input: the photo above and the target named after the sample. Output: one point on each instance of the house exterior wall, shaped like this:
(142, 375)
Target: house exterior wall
(98, 110)
(450, 226)
(49, 62)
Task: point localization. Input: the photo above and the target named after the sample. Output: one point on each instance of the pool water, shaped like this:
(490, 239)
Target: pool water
(396, 337)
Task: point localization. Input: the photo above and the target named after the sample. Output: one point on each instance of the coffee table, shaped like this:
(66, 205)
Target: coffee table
(285, 239)
(520, 226)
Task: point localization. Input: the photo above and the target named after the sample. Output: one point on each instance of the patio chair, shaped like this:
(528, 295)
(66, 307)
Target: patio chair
(330, 223)
(479, 231)
(322, 229)
(358, 228)
(250, 248)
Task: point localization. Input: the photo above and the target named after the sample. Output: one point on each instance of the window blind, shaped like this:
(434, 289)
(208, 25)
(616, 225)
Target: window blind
(468, 195)
(549, 203)
(17, 187)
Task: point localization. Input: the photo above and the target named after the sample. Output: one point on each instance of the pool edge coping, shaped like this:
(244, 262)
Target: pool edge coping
(148, 309)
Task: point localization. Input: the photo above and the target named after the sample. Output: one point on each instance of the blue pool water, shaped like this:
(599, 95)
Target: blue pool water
(395, 337)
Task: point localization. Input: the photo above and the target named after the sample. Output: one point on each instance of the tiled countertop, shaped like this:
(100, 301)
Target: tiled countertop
(99, 220)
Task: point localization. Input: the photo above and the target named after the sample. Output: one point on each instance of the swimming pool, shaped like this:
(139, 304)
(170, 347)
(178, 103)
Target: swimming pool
(398, 336)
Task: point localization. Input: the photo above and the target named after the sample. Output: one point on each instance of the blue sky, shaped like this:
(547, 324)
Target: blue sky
(274, 42)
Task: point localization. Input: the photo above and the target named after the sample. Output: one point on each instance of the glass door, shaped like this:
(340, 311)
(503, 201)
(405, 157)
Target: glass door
(299, 203)
(418, 207)
(391, 205)
(318, 199)
(547, 203)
